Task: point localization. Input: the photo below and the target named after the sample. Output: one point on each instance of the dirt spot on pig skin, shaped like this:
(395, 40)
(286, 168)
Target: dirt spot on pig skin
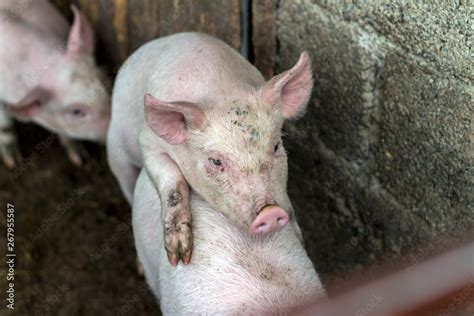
(174, 197)
(177, 227)
(268, 274)
(178, 238)
(10, 16)
(264, 167)
(263, 270)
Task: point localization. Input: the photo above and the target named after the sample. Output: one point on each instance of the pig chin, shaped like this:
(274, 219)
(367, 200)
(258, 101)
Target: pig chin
(244, 216)
(99, 133)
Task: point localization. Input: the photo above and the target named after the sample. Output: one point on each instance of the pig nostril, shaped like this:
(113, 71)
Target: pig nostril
(262, 225)
(281, 221)
(270, 219)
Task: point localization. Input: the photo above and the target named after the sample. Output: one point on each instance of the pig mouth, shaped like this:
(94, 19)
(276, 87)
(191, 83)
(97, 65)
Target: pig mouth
(257, 208)
(262, 204)
(260, 209)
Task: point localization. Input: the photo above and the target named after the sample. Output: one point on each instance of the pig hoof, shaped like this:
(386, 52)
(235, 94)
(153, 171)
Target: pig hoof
(178, 242)
(10, 154)
(140, 268)
(75, 158)
(75, 151)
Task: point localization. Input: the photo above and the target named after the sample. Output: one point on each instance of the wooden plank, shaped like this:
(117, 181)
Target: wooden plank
(111, 28)
(219, 18)
(264, 35)
(121, 26)
(143, 22)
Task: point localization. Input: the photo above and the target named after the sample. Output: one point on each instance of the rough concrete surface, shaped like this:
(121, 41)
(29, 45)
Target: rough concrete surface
(381, 163)
(438, 31)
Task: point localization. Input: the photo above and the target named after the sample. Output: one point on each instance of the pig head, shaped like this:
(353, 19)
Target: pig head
(232, 153)
(69, 96)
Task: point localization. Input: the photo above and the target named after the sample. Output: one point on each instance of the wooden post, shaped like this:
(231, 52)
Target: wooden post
(264, 35)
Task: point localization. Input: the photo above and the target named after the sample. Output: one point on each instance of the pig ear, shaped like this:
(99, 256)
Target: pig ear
(31, 103)
(81, 35)
(171, 120)
(292, 88)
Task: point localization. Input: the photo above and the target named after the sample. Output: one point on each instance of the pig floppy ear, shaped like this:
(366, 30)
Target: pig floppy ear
(81, 35)
(31, 103)
(171, 120)
(292, 88)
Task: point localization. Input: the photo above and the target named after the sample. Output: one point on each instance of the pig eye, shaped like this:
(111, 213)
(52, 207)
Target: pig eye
(78, 112)
(275, 148)
(215, 162)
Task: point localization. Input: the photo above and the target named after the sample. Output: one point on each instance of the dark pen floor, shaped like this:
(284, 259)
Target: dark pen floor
(73, 239)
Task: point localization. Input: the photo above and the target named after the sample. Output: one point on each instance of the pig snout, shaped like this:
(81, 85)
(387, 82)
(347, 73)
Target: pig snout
(271, 218)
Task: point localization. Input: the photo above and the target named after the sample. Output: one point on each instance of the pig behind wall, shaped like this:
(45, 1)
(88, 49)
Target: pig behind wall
(232, 271)
(49, 76)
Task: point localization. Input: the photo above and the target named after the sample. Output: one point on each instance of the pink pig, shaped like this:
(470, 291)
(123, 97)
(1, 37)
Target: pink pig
(49, 76)
(232, 272)
(193, 112)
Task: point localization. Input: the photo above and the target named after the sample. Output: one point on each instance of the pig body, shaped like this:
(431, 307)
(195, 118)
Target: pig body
(49, 75)
(232, 272)
(191, 110)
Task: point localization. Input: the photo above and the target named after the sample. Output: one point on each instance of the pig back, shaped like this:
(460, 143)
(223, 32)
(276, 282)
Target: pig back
(40, 14)
(231, 272)
(192, 67)
(32, 36)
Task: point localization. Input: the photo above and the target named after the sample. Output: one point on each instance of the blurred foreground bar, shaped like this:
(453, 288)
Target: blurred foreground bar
(442, 285)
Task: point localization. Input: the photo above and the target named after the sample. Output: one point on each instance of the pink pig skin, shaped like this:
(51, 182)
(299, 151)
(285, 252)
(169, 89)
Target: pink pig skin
(193, 112)
(231, 273)
(49, 75)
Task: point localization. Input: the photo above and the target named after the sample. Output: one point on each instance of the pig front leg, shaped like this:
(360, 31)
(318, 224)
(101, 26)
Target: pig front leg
(9, 149)
(75, 151)
(174, 192)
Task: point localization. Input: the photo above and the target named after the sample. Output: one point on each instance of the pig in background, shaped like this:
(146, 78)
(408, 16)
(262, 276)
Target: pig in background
(49, 77)
(232, 272)
(194, 112)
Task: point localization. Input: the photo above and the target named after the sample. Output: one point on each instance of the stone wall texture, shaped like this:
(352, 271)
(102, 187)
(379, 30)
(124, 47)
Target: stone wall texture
(381, 163)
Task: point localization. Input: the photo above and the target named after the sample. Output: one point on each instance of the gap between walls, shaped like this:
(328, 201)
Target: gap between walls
(246, 48)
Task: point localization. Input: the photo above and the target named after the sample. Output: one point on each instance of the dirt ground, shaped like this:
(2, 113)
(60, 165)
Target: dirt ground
(73, 239)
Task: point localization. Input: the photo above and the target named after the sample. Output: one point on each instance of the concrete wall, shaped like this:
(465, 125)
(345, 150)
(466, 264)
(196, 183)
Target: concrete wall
(381, 163)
